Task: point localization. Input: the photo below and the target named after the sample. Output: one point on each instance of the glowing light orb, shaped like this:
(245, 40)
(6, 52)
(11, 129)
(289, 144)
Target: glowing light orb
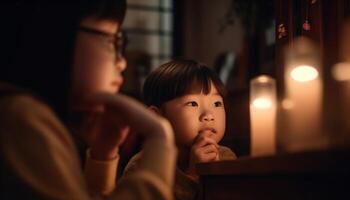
(304, 73)
(262, 103)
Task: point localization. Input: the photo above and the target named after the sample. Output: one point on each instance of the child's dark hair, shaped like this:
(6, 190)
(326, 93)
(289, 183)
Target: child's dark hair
(175, 78)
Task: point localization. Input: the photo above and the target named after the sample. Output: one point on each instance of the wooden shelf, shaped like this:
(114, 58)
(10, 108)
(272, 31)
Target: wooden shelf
(307, 175)
(335, 161)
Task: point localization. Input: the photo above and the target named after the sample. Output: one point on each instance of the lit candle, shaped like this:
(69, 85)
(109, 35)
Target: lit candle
(263, 116)
(304, 93)
(341, 75)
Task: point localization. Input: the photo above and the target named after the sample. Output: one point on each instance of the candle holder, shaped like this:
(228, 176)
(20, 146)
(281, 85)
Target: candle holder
(263, 116)
(340, 125)
(303, 82)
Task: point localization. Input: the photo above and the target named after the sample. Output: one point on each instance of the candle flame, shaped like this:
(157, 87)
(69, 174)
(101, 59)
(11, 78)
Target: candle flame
(304, 73)
(262, 103)
(263, 79)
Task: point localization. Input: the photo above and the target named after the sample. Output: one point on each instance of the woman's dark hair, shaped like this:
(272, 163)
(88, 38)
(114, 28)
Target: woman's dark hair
(175, 78)
(38, 42)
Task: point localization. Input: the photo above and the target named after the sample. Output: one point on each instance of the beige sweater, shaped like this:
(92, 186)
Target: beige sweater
(185, 188)
(40, 160)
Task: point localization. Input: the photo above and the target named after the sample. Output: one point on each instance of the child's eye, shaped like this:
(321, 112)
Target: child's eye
(218, 104)
(192, 103)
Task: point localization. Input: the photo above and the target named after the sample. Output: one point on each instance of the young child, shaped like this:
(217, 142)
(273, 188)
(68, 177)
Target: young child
(190, 95)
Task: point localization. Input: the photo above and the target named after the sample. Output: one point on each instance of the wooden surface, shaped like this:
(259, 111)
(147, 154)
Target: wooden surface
(309, 175)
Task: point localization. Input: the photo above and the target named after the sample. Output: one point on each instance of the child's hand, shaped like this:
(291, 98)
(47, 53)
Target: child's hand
(204, 149)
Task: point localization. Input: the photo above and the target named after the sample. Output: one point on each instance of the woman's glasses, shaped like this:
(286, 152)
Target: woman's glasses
(119, 40)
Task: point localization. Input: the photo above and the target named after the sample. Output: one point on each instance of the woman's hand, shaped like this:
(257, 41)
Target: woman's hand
(105, 131)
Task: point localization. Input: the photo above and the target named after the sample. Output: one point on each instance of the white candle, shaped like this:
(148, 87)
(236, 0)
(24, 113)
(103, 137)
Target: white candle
(263, 116)
(304, 92)
(341, 75)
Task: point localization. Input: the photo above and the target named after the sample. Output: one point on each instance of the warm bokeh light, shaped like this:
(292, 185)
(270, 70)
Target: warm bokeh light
(262, 103)
(263, 79)
(262, 116)
(304, 73)
(341, 71)
(302, 111)
(287, 104)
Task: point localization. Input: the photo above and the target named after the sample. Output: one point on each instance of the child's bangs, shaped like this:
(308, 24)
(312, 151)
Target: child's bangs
(203, 81)
(205, 77)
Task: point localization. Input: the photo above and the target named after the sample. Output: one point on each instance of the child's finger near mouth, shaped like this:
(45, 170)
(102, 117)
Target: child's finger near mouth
(204, 134)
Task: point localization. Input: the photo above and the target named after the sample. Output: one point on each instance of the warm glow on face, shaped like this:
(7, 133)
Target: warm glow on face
(341, 71)
(304, 73)
(262, 103)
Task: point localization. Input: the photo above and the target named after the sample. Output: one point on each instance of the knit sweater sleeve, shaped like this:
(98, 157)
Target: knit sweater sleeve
(40, 153)
(38, 149)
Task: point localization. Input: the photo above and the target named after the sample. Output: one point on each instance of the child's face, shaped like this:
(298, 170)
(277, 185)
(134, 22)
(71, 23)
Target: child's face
(195, 113)
(95, 67)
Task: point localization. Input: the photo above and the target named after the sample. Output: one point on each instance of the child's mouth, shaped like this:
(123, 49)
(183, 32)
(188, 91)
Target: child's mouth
(208, 130)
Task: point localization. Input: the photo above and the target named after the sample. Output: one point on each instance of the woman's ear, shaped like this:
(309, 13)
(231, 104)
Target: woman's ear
(155, 109)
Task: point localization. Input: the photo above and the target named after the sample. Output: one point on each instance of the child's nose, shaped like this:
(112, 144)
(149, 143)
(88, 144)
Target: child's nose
(207, 116)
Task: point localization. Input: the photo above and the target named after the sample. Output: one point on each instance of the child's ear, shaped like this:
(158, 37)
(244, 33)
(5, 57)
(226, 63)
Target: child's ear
(155, 109)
